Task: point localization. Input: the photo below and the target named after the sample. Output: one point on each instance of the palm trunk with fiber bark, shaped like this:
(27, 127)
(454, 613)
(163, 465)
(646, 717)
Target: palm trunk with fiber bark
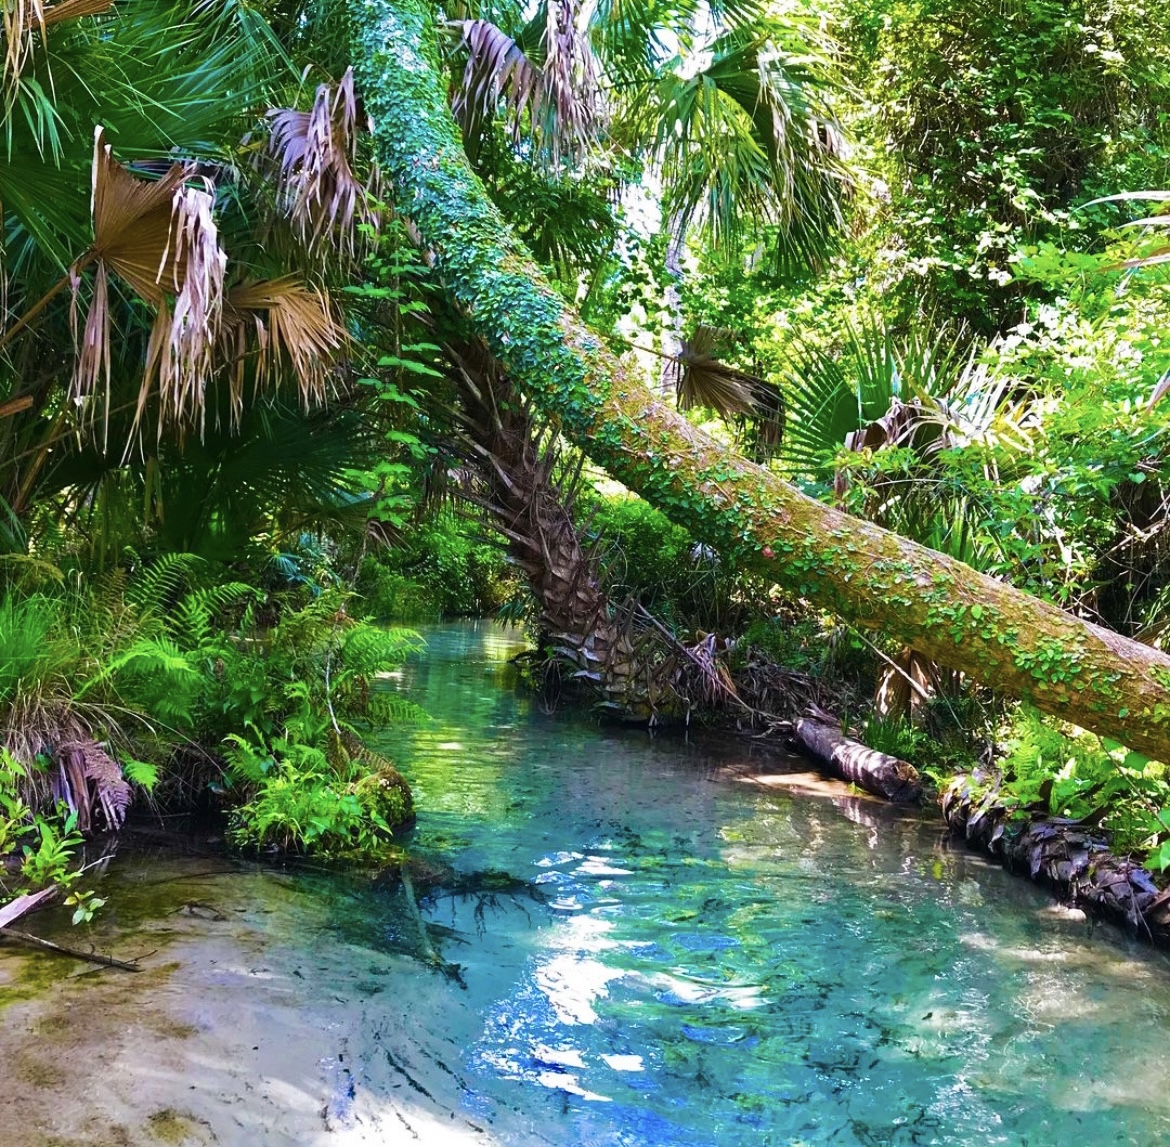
(634, 665)
(532, 510)
(1010, 640)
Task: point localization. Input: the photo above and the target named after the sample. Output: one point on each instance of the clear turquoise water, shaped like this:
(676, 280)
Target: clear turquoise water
(710, 961)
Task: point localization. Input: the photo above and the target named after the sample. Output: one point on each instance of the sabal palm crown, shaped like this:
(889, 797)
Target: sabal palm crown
(728, 104)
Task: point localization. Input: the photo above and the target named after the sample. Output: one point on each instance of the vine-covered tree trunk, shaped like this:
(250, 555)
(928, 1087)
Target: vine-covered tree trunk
(996, 634)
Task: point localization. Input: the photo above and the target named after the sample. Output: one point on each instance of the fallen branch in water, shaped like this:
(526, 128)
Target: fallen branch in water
(1066, 855)
(424, 940)
(76, 953)
(23, 905)
(875, 772)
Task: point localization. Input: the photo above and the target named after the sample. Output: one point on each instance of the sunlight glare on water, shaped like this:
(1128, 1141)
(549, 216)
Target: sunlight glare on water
(696, 960)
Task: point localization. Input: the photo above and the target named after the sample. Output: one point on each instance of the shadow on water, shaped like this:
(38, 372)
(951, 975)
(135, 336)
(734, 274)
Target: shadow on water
(657, 941)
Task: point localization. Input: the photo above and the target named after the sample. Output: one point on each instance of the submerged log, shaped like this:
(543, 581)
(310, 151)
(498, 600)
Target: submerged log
(1067, 856)
(877, 773)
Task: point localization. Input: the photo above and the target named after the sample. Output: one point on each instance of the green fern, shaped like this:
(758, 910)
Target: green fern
(369, 649)
(157, 587)
(193, 620)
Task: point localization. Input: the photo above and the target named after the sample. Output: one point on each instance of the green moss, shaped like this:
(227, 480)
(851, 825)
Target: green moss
(170, 1126)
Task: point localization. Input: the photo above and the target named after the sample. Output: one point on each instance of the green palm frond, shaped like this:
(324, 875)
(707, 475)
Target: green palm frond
(749, 138)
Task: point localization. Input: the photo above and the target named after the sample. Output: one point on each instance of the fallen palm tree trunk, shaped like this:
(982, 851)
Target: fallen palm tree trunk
(877, 773)
(950, 613)
(1065, 855)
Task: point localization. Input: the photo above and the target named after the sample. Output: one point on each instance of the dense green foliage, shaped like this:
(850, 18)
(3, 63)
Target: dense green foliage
(876, 211)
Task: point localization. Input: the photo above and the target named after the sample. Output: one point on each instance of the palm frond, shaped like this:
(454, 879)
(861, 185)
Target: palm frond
(750, 138)
(74, 10)
(497, 70)
(315, 154)
(21, 21)
(833, 393)
(554, 86)
(288, 324)
(160, 238)
(702, 380)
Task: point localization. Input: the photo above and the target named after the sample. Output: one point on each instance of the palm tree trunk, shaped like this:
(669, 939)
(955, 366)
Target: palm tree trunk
(672, 336)
(1012, 641)
(531, 509)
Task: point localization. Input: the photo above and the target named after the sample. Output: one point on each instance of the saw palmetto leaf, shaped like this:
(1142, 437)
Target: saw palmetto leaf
(315, 154)
(278, 324)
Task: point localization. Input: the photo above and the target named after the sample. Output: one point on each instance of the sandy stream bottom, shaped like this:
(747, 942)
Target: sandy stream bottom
(252, 1024)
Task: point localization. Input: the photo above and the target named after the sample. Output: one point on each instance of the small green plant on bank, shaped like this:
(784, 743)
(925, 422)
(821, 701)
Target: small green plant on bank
(1084, 778)
(38, 851)
(310, 781)
(899, 738)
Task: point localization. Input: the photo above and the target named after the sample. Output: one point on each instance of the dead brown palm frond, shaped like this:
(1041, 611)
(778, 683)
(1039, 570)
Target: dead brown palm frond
(159, 237)
(180, 355)
(497, 69)
(282, 323)
(74, 10)
(571, 88)
(22, 19)
(702, 380)
(561, 96)
(82, 763)
(316, 153)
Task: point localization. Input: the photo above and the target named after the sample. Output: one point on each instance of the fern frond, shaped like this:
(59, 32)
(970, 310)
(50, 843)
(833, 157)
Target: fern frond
(369, 649)
(385, 707)
(193, 619)
(158, 586)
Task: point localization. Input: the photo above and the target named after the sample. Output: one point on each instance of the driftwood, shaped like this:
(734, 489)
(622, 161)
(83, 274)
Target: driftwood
(1068, 856)
(62, 950)
(875, 772)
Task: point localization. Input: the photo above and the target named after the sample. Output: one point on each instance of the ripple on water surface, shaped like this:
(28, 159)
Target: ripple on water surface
(706, 961)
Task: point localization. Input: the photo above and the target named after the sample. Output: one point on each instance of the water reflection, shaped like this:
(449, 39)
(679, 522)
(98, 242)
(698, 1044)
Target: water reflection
(727, 953)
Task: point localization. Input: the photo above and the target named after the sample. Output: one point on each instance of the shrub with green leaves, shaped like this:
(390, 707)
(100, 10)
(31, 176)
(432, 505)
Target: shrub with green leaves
(644, 555)
(1077, 775)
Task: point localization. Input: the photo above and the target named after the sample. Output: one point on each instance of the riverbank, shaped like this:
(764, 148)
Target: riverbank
(251, 1023)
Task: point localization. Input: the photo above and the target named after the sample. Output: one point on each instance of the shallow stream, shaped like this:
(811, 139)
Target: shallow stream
(643, 941)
